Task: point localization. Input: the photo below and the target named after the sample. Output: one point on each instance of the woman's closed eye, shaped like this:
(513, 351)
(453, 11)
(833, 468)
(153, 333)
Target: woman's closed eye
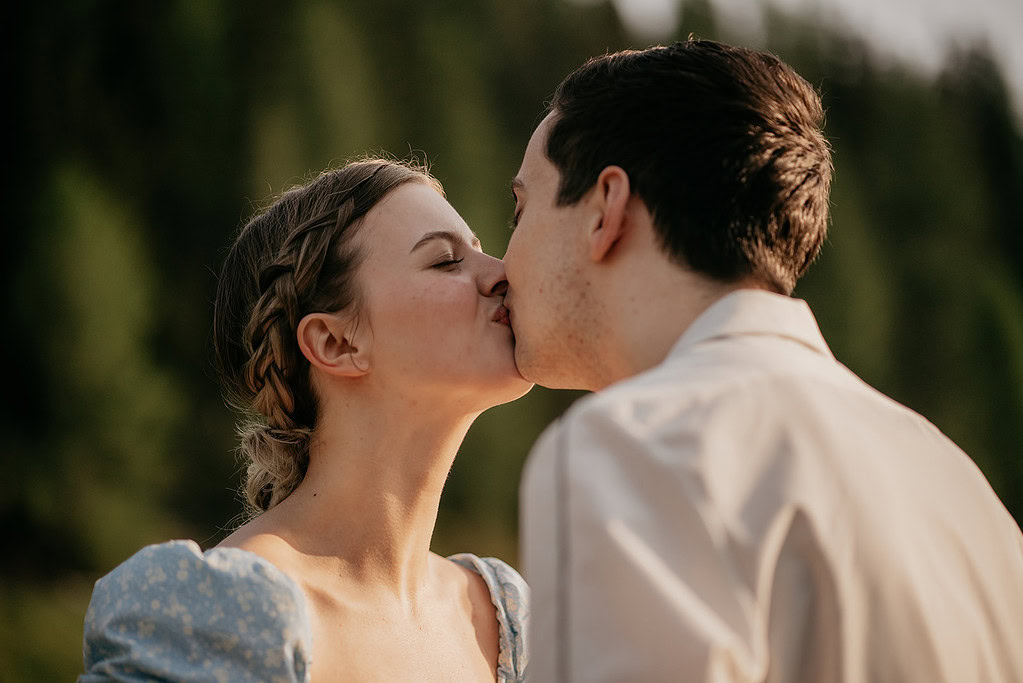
(447, 261)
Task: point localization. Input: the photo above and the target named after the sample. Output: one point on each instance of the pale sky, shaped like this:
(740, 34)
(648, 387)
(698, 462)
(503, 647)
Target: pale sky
(919, 33)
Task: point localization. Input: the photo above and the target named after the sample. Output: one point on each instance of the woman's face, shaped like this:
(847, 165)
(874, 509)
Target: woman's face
(432, 303)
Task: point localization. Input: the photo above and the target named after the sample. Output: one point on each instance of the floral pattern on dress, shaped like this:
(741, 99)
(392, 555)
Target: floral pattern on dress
(510, 595)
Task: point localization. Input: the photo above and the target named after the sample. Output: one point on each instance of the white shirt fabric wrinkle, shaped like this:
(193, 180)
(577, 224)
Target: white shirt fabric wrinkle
(750, 510)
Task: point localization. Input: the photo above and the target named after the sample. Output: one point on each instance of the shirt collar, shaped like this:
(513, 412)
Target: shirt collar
(747, 312)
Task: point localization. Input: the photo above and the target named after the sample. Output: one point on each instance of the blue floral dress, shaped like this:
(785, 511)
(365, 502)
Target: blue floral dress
(173, 612)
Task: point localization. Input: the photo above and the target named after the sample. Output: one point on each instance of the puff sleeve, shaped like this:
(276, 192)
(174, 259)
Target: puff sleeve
(510, 597)
(172, 612)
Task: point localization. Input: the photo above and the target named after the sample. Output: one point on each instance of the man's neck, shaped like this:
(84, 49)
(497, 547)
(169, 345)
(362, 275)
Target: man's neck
(648, 316)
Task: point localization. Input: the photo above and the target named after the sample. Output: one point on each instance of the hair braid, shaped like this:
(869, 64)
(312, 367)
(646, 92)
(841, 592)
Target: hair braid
(277, 442)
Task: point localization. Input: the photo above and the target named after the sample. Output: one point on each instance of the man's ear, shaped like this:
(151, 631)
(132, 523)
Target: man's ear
(333, 344)
(612, 196)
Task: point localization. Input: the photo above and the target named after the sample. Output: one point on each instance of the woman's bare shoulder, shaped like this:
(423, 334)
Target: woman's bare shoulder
(271, 544)
(458, 578)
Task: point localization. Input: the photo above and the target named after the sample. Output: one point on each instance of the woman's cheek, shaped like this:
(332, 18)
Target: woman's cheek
(426, 309)
(438, 311)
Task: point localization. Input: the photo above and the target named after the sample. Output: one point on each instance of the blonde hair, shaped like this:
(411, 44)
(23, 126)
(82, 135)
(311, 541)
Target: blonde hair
(295, 257)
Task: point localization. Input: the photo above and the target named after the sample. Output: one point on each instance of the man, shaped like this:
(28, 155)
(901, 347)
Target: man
(732, 504)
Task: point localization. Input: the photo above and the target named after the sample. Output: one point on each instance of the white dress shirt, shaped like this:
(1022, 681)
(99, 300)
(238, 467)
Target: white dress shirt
(750, 510)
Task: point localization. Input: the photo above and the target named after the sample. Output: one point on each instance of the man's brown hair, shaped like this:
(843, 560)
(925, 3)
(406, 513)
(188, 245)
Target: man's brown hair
(723, 144)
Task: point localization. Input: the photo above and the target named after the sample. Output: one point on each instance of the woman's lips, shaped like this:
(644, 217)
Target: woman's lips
(501, 316)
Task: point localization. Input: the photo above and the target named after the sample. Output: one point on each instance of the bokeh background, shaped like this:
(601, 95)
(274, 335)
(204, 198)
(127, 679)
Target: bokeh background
(144, 133)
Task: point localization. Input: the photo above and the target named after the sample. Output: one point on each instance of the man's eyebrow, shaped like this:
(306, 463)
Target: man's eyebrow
(448, 235)
(517, 184)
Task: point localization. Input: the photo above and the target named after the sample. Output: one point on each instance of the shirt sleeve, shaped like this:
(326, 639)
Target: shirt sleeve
(635, 571)
(171, 612)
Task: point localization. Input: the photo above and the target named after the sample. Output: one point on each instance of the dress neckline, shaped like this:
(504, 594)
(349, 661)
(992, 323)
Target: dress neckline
(467, 560)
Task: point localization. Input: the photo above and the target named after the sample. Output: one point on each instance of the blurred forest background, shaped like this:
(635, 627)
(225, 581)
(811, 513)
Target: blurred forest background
(145, 133)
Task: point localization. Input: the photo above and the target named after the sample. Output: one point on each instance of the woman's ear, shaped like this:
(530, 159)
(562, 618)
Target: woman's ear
(333, 344)
(612, 196)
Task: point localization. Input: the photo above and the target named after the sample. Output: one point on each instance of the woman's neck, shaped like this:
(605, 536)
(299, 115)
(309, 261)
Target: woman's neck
(368, 503)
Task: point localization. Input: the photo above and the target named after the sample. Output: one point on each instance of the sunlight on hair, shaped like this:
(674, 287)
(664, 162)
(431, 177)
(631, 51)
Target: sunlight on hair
(919, 33)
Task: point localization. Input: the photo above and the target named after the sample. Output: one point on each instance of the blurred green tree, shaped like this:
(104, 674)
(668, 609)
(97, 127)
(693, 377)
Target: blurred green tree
(145, 134)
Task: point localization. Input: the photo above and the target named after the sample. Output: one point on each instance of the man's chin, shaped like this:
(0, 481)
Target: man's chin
(537, 372)
(522, 363)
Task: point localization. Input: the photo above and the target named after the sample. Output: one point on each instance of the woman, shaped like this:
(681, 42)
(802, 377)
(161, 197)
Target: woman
(360, 329)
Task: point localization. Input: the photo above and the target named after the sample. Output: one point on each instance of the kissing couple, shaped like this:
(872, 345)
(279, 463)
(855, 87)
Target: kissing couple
(730, 504)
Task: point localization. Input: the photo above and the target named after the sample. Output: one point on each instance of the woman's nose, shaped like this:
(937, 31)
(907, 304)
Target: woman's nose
(492, 281)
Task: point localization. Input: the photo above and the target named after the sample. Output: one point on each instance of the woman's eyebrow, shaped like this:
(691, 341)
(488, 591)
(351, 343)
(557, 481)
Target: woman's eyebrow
(448, 235)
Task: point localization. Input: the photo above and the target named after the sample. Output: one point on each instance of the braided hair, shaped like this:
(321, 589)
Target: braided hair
(295, 257)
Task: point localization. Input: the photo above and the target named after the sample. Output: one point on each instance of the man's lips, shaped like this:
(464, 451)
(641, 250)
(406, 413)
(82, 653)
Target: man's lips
(501, 316)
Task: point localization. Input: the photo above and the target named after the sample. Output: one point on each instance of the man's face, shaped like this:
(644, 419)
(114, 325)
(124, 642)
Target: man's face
(551, 309)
